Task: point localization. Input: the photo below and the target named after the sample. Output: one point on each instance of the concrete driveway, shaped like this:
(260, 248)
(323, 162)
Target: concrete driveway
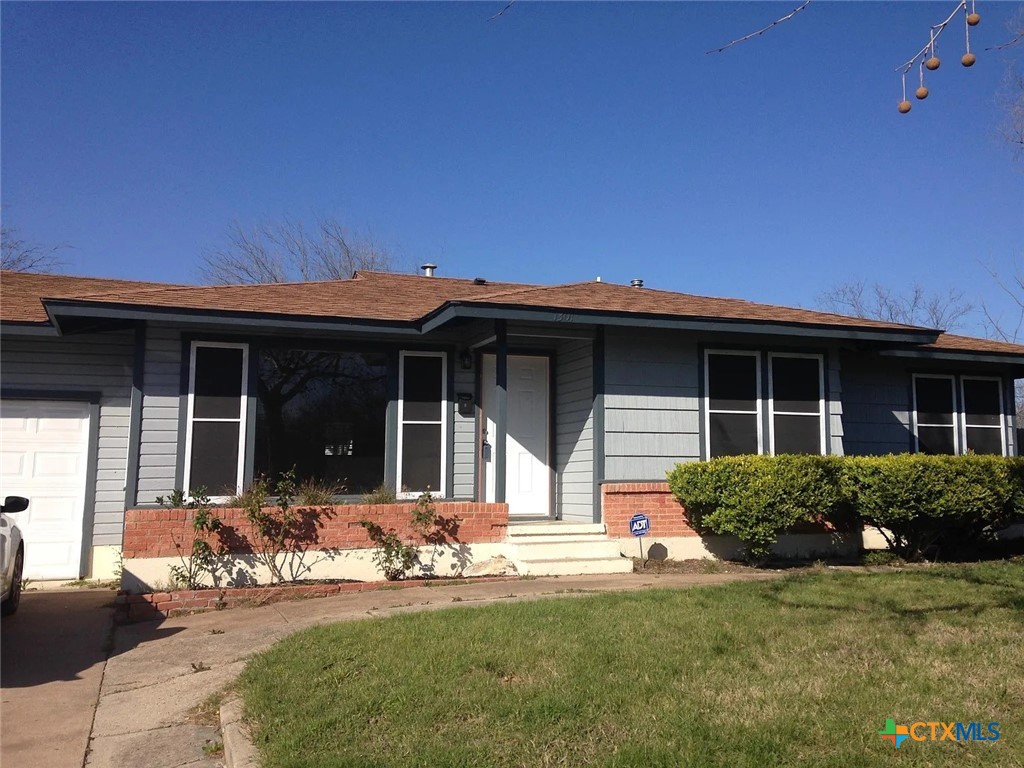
(159, 672)
(77, 693)
(52, 653)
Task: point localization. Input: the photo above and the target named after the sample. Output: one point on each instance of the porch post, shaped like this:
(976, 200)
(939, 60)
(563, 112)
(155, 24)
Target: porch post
(598, 421)
(500, 408)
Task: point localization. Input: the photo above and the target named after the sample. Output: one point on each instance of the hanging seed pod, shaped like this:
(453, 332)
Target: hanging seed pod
(921, 93)
(903, 107)
(968, 59)
(973, 19)
(933, 63)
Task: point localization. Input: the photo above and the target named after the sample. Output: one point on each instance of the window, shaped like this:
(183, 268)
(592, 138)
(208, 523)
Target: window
(323, 413)
(935, 414)
(796, 403)
(422, 421)
(733, 386)
(984, 430)
(215, 439)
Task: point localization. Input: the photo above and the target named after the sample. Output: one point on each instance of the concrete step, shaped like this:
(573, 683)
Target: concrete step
(554, 528)
(569, 548)
(574, 567)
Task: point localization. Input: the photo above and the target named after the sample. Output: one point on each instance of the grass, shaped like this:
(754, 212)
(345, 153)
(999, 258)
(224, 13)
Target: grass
(799, 671)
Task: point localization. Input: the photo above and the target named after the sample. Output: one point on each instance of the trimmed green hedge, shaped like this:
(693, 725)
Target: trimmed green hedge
(921, 504)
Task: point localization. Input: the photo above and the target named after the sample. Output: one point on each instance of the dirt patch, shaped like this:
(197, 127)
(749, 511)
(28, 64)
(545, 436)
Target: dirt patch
(704, 566)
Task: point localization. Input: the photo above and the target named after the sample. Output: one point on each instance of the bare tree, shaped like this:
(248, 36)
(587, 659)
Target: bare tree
(913, 307)
(1007, 326)
(1011, 96)
(20, 255)
(287, 251)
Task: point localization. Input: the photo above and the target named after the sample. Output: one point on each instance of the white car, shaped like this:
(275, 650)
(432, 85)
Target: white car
(12, 554)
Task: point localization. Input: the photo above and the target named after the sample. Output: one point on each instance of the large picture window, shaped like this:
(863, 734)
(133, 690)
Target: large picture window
(935, 414)
(733, 385)
(422, 420)
(984, 430)
(796, 403)
(324, 414)
(215, 439)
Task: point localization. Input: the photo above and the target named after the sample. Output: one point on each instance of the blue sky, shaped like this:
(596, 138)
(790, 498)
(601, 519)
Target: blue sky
(556, 143)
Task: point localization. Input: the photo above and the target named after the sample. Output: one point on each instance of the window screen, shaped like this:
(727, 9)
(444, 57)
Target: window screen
(733, 404)
(217, 390)
(797, 397)
(323, 414)
(983, 415)
(422, 420)
(934, 414)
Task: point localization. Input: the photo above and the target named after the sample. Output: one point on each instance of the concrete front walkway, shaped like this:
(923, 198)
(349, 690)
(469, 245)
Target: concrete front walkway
(159, 672)
(51, 663)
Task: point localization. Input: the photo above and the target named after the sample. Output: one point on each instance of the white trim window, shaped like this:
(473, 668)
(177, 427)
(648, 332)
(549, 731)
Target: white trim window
(984, 427)
(935, 429)
(422, 423)
(732, 386)
(796, 403)
(218, 383)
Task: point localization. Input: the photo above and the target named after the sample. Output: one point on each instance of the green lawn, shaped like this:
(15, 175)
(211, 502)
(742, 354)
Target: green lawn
(800, 671)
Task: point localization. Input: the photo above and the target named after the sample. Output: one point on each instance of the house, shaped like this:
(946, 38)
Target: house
(525, 404)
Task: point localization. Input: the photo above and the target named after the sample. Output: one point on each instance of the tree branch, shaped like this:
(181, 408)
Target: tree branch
(761, 31)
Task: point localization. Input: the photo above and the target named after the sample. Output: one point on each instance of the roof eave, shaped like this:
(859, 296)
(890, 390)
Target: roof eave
(1002, 358)
(58, 308)
(481, 310)
(28, 328)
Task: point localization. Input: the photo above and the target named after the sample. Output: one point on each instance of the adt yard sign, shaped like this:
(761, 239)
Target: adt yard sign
(639, 525)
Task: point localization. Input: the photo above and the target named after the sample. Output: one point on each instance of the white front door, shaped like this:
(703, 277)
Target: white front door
(44, 456)
(527, 445)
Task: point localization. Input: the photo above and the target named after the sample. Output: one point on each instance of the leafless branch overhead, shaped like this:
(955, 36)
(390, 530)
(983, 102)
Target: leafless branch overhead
(761, 31)
(508, 5)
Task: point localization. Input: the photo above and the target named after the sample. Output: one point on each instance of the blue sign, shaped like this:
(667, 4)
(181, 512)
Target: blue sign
(639, 525)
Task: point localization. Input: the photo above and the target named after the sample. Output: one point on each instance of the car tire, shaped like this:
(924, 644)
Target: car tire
(10, 605)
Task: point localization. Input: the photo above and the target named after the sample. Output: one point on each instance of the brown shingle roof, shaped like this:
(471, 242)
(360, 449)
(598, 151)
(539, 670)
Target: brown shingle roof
(367, 296)
(409, 298)
(609, 297)
(952, 343)
(21, 293)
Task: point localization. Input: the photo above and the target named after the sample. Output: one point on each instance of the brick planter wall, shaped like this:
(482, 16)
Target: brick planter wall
(620, 501)
(150, 533)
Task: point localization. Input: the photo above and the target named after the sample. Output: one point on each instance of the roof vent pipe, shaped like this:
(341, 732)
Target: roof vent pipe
(428, 269)
(636, 282)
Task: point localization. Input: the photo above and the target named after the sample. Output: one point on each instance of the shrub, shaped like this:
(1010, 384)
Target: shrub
(282, 533)
(396, 557)
(934, 504)
(382, 494)
(200, 557)
(922, 505)
(317, 493)
(756, 498)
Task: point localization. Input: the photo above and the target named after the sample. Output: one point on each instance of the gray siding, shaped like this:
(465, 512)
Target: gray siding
(574, 431)
(652, 413)
(464, 453)
(159, 446)
(876, 406)
(87, 363)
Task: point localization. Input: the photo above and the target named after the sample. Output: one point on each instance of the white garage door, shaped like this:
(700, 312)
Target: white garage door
(44, 455)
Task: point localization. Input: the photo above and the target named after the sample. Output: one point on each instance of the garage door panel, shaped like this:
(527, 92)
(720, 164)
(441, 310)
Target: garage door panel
(14, 426)
(12, 464)
(51, 558)
(58, 466)
(45, 447)
(52, 511)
